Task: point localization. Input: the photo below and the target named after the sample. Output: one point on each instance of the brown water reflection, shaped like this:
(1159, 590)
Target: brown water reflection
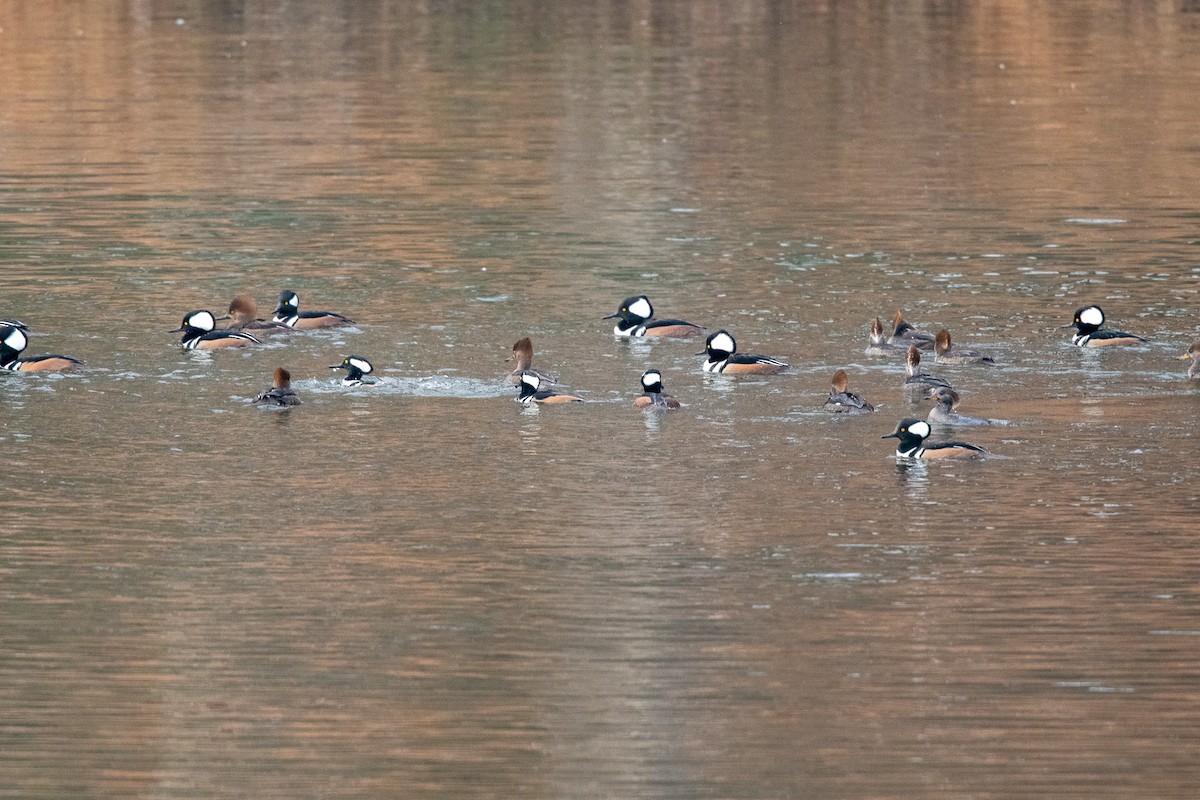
(423, 590)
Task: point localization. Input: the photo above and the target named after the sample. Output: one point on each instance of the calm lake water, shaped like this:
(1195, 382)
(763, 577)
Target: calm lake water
(424, 590)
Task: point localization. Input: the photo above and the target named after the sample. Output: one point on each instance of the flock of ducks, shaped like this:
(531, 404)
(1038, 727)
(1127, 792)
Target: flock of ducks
(635, 318)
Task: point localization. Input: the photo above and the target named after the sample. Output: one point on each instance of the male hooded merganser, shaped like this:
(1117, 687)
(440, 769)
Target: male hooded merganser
(522, 353)
(357, 369)
(912, 434)
(917, 380)
(653, 394)
(280, 394)
(944, 412)
(198, 333)
(288, 312)
(1087, 324)
(722, 356)
(946, 353)
(244, 313)
(635, 319)
(531, 392)
(842, 401)
(13, 340)
(1193, 353)
(904, 334)
(879, 345)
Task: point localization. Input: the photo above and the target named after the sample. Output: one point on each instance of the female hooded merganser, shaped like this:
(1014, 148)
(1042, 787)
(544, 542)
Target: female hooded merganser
(13, 340)
(917, 380)
(244, 313)
(635, 315)
(653, 395)
(842, 401)
(531, 392)
(945, 352)
(944, 412)
(198, 333)
(357, 369)
(904, 334)
(912, 434)
(1193, 353)
(288, 312)
(879, 345)
(280, 394)
(522, 353)
(1087, 324)
(722, 356)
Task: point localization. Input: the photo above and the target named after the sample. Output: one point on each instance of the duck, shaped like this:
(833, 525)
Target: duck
(944, 411)
(946, 353)
(912, 434)
(532, 392)
(653, 394)
(357, 369)
(288, 312)
(14, 339)
(843, 401)
(721, 355)
(244, 313)
(1193, 353)
(522, 354)
(1087, 323)
(904, 334)
(879, 345)
(918, 383)
(635, 319)
(280, 395)
(199, 333)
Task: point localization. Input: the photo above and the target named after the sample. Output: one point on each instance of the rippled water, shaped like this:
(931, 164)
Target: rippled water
(424, 589)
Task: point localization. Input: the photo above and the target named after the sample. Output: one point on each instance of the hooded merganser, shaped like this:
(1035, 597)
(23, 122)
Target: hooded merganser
(722, 356)
(842, 401)
(13, 340)
(357, 369)
(198, 333)
(917, 380)
(288, 312)
(244, 313)
(946, 353)
(944, 412)
(1193, 353)
(635, 319)
(879, 345)
(1087, 324)
(653, 394)
(912, 434)
(904, 334)
(522, 353)
(280, 394)
(531, 392)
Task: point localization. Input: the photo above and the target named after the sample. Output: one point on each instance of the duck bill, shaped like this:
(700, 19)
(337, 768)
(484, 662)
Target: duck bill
(176, 330)
(890, 436)
(335, 366)
(612, 316)
(1185, 356)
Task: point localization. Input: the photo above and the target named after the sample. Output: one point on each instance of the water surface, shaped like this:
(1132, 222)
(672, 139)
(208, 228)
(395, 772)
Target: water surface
(422, 589)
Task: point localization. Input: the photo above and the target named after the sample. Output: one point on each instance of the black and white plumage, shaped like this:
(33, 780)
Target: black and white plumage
(912, 434)
(721, 355)
(288, 312)
(1088, 322)
(13, 340)
(357, 369)
(635, 318)
(199, 333)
